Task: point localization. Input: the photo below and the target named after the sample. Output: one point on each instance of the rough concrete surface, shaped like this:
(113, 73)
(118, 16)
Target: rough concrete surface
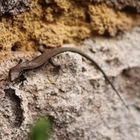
(83, 105)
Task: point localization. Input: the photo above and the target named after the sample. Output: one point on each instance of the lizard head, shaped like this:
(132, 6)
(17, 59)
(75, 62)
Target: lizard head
(14, 74)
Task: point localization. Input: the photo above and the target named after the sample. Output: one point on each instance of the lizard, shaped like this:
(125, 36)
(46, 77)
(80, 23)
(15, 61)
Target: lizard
(46, 56)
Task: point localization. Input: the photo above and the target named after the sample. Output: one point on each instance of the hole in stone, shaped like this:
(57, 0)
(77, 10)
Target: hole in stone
(88, 19)
(129, 9)
(17, 46)
(15, 105)
(1, 47)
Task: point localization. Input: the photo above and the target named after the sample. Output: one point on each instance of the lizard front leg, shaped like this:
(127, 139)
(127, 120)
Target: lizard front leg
(41, 48)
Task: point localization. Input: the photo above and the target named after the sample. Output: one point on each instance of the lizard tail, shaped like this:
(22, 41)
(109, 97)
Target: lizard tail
(75, 50)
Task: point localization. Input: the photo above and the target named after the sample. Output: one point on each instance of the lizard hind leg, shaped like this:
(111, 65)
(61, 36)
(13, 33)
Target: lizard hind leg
(57, 66)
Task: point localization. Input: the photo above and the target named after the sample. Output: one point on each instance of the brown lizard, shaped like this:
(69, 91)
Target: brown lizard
(16, 71)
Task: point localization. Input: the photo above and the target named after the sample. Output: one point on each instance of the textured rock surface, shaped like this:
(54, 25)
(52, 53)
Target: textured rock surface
(82, 104)
(130, 5)
(17, 6)
(60, 22)
(13, 6)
